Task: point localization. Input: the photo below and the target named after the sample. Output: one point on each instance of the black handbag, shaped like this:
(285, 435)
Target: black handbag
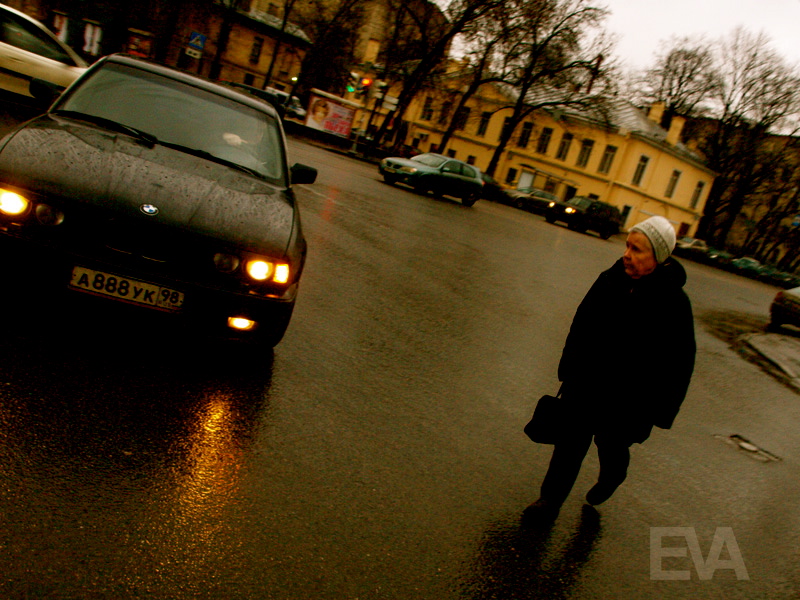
(550, 421)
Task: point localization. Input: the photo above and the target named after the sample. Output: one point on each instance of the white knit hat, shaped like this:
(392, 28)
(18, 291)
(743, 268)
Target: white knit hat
(661, 234)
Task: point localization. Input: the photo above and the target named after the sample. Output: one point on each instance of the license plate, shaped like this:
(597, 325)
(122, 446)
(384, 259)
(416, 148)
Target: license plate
(126, 289)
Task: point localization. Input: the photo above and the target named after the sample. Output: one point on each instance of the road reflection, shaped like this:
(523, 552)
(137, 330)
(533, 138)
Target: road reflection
(525, 561)
(131, 442)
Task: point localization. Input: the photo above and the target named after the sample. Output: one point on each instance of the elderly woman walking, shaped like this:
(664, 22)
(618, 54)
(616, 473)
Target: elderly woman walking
(626, 364)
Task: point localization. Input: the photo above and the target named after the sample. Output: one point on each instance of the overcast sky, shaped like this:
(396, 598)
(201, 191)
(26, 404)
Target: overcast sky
(641, 24)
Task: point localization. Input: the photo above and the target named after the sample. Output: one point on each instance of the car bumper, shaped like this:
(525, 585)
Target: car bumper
(41, 276)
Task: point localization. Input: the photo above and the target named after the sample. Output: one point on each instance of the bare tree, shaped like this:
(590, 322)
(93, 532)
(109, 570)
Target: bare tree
(488, 58)
(757, 96)
(683, 78)
(562, 63)
(288, 5)
(229, 9)
(333, 28)
(437, 38)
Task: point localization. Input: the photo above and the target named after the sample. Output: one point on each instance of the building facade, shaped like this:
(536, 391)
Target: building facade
(631, 163)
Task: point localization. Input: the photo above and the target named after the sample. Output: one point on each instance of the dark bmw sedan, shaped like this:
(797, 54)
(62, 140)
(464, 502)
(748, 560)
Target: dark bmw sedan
(146, 186)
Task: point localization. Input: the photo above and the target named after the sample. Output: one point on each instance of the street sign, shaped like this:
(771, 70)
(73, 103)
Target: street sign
(194, 53)
(197, 41)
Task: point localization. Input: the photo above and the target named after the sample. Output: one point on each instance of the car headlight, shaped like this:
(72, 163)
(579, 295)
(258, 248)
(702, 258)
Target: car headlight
(12, 204)
(569, 210)
(408, 169)
(260, 269)
(551, 205)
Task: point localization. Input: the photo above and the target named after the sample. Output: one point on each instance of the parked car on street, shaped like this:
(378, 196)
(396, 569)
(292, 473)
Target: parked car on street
(532, 200)
(493, 191)
(584, 214)
(718, 257)
(285, 104)
(785, 308)
(746, 265)
(692, 248)
(435, 173)
(151, 187)
(28, 50)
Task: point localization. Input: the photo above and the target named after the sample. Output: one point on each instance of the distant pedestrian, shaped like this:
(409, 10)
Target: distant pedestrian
(626, 364)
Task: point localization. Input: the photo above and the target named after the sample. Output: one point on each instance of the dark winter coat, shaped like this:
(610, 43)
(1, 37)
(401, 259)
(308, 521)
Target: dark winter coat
(630, 352)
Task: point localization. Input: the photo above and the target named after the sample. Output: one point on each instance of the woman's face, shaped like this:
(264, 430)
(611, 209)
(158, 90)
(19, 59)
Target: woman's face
(638, 259)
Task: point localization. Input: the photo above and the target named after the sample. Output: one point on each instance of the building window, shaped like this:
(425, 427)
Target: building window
(92, 37)
(544, 140)
(451, 153)
(696, 195)
(249, 79)
(563, 147)
(608, 158)
(585, 153)
(255, 51)
(640, 169)
(484, 123)
(427, 109)
(470, 160)
(461, 118)
(444, 114)
(511, 176)
(505, 132)
(525, 134)
(673, 182)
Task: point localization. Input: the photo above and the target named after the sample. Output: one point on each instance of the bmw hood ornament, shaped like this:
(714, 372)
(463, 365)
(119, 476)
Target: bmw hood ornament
(151, 210)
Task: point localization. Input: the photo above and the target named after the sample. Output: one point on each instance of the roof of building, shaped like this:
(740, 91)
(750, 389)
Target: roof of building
(276, 23)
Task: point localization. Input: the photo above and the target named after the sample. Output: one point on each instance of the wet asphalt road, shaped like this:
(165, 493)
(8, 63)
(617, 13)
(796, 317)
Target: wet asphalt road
(378, 453)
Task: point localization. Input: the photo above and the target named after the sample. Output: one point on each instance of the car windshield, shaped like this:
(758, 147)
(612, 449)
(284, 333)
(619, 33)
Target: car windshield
(430, 160)
(581, 202)
(180, 116)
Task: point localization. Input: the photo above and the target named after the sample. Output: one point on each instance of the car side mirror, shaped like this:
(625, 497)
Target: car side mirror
(45, 92)
(303, 174)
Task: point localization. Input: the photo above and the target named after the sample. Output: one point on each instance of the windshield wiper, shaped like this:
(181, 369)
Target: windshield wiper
(140, 135)
(212, 157)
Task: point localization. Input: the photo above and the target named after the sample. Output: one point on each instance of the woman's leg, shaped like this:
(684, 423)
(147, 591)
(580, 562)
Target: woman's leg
(614, 456)
(565, 464)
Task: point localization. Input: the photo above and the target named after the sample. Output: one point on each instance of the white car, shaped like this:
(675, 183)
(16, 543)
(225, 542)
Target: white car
(28, 50)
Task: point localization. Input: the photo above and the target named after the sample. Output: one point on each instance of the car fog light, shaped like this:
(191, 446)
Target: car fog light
(227, 263)
(47, 215)
(12, 203)
(241, 323)
(281, 274)
(259, 269)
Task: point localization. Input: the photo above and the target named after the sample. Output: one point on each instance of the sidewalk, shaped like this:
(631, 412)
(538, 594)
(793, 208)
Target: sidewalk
(783, 351)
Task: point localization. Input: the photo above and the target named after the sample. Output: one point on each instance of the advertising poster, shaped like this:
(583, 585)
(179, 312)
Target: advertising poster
(329, 115)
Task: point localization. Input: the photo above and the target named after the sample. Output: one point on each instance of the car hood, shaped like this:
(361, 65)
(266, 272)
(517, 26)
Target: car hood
(407, 162)
(118, 174)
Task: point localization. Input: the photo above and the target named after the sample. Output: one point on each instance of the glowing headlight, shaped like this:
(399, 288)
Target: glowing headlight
(259, 269)
(12, 203)
(281, 274)
(569, 210)
(241, 323)
(552, 204)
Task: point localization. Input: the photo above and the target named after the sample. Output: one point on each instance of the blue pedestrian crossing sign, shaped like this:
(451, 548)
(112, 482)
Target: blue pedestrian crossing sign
(197, 40)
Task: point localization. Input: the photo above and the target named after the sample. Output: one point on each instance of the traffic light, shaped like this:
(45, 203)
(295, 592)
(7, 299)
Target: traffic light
(364, 85)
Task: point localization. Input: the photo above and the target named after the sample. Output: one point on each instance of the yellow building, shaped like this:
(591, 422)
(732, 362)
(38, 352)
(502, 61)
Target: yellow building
(633, 164)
